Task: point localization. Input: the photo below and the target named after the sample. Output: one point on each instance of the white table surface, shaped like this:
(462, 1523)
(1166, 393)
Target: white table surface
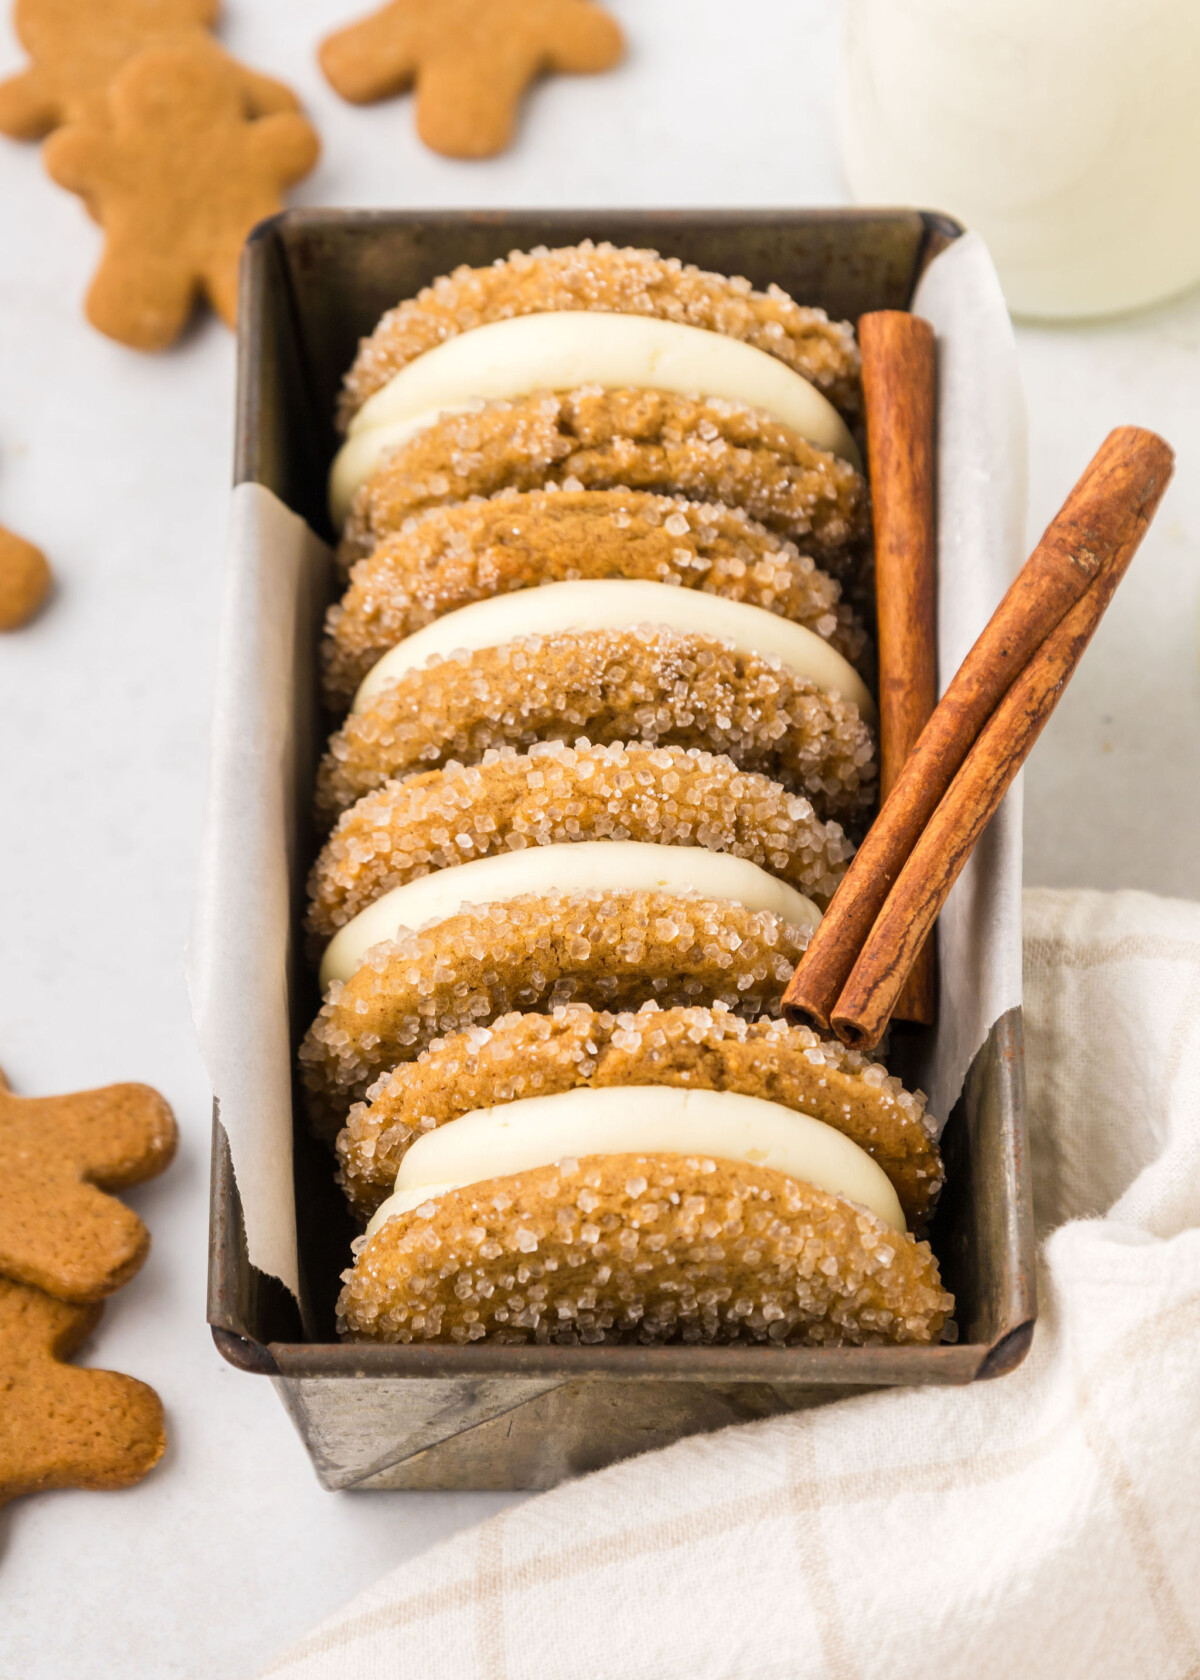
(119, 465)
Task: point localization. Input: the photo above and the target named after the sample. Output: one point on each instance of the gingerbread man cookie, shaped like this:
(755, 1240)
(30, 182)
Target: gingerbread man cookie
(76, 48)
(178, 176)
(59, 1231)
(471, 61)
(61, 1426)
(25, 580)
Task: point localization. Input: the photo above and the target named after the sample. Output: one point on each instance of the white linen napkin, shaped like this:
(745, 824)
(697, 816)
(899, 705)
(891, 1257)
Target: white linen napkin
(1043, 1525)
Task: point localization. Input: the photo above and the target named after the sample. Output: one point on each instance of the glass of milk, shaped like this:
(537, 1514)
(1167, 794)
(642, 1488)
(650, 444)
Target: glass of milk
(1067, 132)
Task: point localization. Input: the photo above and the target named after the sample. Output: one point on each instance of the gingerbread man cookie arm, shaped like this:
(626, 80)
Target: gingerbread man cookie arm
(28, 108)
(468, 98)
(586, 41)
(285, 145)
(77, 157)
(265, 97)
(374, 58)
(69, 1238)
(121, 1134)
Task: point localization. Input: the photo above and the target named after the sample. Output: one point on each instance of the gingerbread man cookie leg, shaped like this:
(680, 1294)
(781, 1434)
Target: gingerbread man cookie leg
(468, 100)
(467, 106)
(144, 301)
(61, 1426)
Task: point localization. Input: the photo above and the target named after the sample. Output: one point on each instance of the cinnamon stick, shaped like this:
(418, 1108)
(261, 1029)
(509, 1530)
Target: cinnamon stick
(1100, 524)
(936, 861)
(899, 372)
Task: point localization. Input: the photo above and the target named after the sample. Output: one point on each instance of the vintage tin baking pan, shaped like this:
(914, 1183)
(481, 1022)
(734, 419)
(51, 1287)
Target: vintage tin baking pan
(526, 1417)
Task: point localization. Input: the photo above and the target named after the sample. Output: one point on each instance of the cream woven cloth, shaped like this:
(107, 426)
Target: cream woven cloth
(1043, 1525)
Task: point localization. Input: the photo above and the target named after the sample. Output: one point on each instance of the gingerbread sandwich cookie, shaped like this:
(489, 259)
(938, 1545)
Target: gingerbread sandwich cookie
(663, 665)
(555, 795)
(608, 280)
(598, 368)
(645, 1215)
(468, 551)
(521, 1057)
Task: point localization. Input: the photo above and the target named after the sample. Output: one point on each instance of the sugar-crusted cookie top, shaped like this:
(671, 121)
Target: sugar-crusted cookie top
(662, 686)
(616, 280)
(557, 794)
(643, 1248)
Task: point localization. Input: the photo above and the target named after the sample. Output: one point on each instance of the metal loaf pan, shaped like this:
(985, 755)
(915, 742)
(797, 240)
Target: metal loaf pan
(527, 1417)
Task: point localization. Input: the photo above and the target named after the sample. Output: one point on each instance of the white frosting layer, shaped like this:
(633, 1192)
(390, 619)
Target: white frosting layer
(649, 1120)
(404, 1201)
(562, 350)
(619, 604)
(579, 866)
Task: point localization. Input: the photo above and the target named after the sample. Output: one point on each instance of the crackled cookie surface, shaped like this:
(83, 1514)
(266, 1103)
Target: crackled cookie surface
(594, 439)
(531, 1055)
(610, 950)
(448, 557)
(613, 280)
(557, 794)
(657, 685)
(643, 1248)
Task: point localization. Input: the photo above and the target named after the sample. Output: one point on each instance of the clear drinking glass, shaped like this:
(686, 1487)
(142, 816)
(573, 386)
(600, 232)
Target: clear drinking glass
(1067, 132)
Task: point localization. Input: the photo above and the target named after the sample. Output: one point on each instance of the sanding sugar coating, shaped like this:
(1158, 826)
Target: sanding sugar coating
(643, 1248)
(647, 683)
(608, 949)
(595, 439)
(555, 794)
(610, 280)
(448, 557)
(522, 1056)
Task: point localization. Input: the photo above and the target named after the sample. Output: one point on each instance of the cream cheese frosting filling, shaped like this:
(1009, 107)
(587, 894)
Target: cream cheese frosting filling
(563, 350)
(618, 604)
(638, 1120)
(568, 867)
